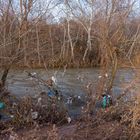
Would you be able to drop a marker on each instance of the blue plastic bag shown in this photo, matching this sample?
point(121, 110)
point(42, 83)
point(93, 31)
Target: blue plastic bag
point(51, 94)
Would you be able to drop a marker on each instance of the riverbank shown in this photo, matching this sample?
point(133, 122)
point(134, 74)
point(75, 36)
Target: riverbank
point(120, 121)
point(113, 123)
point(75, 65)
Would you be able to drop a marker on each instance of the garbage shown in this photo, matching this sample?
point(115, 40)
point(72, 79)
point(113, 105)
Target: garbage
point(2, 105)
point(79, 97)
point(34, 115)
point(32, 74)
point(39, 101)
point(69, 100)
point(54, 80)
point(88, 85)
point(80, 78)
point(12, 116)
point(107, 100)
point(69, 120)
point(42, 108)
point(106, 75)
point(51, 94)
point(99, 76)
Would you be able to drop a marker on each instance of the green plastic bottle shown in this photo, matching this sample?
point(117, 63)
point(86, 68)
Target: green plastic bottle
point(104, 102)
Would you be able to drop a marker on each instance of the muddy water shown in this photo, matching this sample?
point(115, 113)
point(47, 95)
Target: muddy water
point(70, 82)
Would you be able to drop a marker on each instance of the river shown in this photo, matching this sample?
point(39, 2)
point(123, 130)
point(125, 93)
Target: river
point(70, 82)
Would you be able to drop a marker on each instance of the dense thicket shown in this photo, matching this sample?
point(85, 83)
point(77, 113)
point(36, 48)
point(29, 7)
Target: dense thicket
point(87, 32)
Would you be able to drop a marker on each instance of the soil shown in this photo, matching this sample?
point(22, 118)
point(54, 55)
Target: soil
point(104, 131)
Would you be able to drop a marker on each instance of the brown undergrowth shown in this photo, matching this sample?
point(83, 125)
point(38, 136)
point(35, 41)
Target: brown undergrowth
point(120, 121)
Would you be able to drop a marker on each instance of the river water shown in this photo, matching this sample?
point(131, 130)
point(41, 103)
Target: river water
point(70, 82)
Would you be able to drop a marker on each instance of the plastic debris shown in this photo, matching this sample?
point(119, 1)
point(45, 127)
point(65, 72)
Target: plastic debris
point(106, 75)
point(12, 116)
point(2, 105)
point(107, 101)
point(51, 94)
point(33, 73)
point(99, 76)
point(88, 85)
point(54, 79)
point(69, 100)
point(69, 120)
point(79, 97)
point(34, 115)
point(39, 100)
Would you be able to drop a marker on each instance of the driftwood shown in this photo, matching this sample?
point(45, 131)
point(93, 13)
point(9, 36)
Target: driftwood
point(4, 76)
point(3, 79)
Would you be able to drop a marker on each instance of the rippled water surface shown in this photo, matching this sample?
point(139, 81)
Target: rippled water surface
point(70, 82)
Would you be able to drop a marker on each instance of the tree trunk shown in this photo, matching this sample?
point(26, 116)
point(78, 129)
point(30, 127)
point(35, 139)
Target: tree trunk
point(4, 76)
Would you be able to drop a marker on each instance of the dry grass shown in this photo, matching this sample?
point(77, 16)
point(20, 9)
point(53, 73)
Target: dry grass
point(120, 121)
point(22, 110)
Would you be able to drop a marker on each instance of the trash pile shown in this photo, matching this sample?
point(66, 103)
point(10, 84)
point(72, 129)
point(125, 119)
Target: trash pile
point(46, 107)
point(25, 111)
